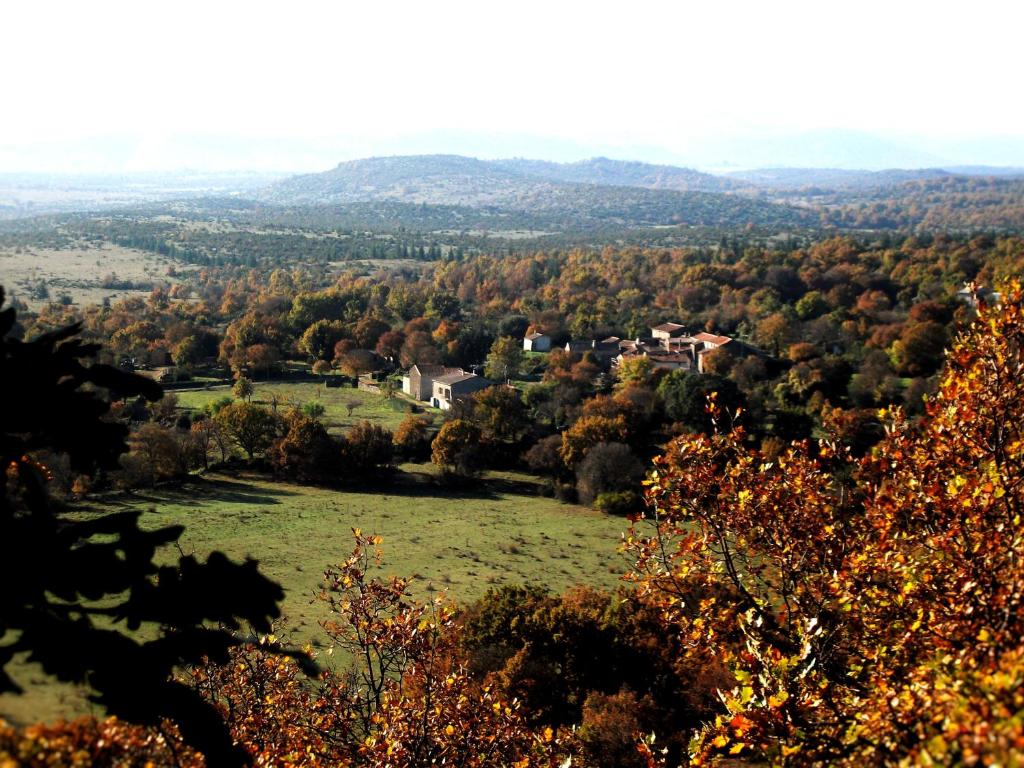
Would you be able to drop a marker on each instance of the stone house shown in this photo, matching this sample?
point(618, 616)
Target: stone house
point(449, 388)
point(419, 382)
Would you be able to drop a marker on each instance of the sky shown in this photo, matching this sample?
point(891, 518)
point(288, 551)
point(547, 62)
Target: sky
point(128, 86)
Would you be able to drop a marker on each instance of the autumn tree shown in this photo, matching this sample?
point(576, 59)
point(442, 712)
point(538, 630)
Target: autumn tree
point(608, 468)
point(318, 340)
point(251, 427)
point(418, 348)
point(685, 397)
point(274, 712)
point(635, 371)
point(389, 345)
point(155, 448)
point(870, 610)
point(505, 359)
point(918, 351)
point(368, 449)
point(500, 413)
point(368, 331)
point(91, 583)
point(416, 701)
point(207, 436)
point(356, 362)
point(188, 352)
point(412, 439)
point(306, 452)
point(589, 431)
point(456, 448)
point(545, 456)
point(554, 653)
point(243, 389)
point(86, 741)
point(262, 357)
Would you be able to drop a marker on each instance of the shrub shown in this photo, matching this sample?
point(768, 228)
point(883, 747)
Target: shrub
point(306, 452)
point(313, 410)
point(617, 502)
point(545, 457)
point(607, 468)
point(587, 432)
point(457, 447)
point(369, 449)
point(250, 427)
point(412, 439)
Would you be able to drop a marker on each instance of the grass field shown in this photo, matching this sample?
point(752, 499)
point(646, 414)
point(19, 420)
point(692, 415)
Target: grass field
point(460, 541)
point(369, 406)
point(79, 271)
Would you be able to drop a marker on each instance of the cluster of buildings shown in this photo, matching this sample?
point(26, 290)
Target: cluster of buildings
point(668, 346)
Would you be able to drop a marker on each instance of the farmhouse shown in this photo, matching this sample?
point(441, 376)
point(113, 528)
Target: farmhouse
point(605, 350)
point(671, 361)
point(419, 382)
point(713, 340)
point(537, 342)
point(449, 388)
point(733, 347)
point(667, 331)
point(670, 348)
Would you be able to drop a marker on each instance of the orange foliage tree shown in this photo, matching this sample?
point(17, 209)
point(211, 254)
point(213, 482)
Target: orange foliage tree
point(871, 611)
point(407, 700)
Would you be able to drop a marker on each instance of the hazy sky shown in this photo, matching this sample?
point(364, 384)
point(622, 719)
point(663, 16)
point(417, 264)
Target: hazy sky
point(122, 85)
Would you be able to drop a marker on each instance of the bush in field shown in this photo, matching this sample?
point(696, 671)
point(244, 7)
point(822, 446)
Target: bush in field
point(618, 502)
point(251, 427)
point(155, 454)
point(607, 468)
point(456, 448)
point(412, 438)
point(313, 410)
point(368, 449)
point(545, 456)
point(243, 389)
point(306, 452)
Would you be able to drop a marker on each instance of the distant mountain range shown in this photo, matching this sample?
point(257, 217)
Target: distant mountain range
point(449, 192)
point(832, 178)
point(459, 180)
point(583, 194)
point(839, 179)
point(600, 193)
point(623, 173)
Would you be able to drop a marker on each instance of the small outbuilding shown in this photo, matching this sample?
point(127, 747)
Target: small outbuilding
point(537, 342)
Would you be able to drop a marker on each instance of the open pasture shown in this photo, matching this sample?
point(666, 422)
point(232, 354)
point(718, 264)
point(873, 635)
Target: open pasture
point(81, 272)
point(459, 541)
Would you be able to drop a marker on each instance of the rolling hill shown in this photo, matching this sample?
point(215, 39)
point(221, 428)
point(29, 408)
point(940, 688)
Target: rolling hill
point(833, 179)
point(561, 196)
point(624, 173)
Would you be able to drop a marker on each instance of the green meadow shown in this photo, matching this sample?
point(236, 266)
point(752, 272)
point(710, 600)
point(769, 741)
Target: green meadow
point(459, 541)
